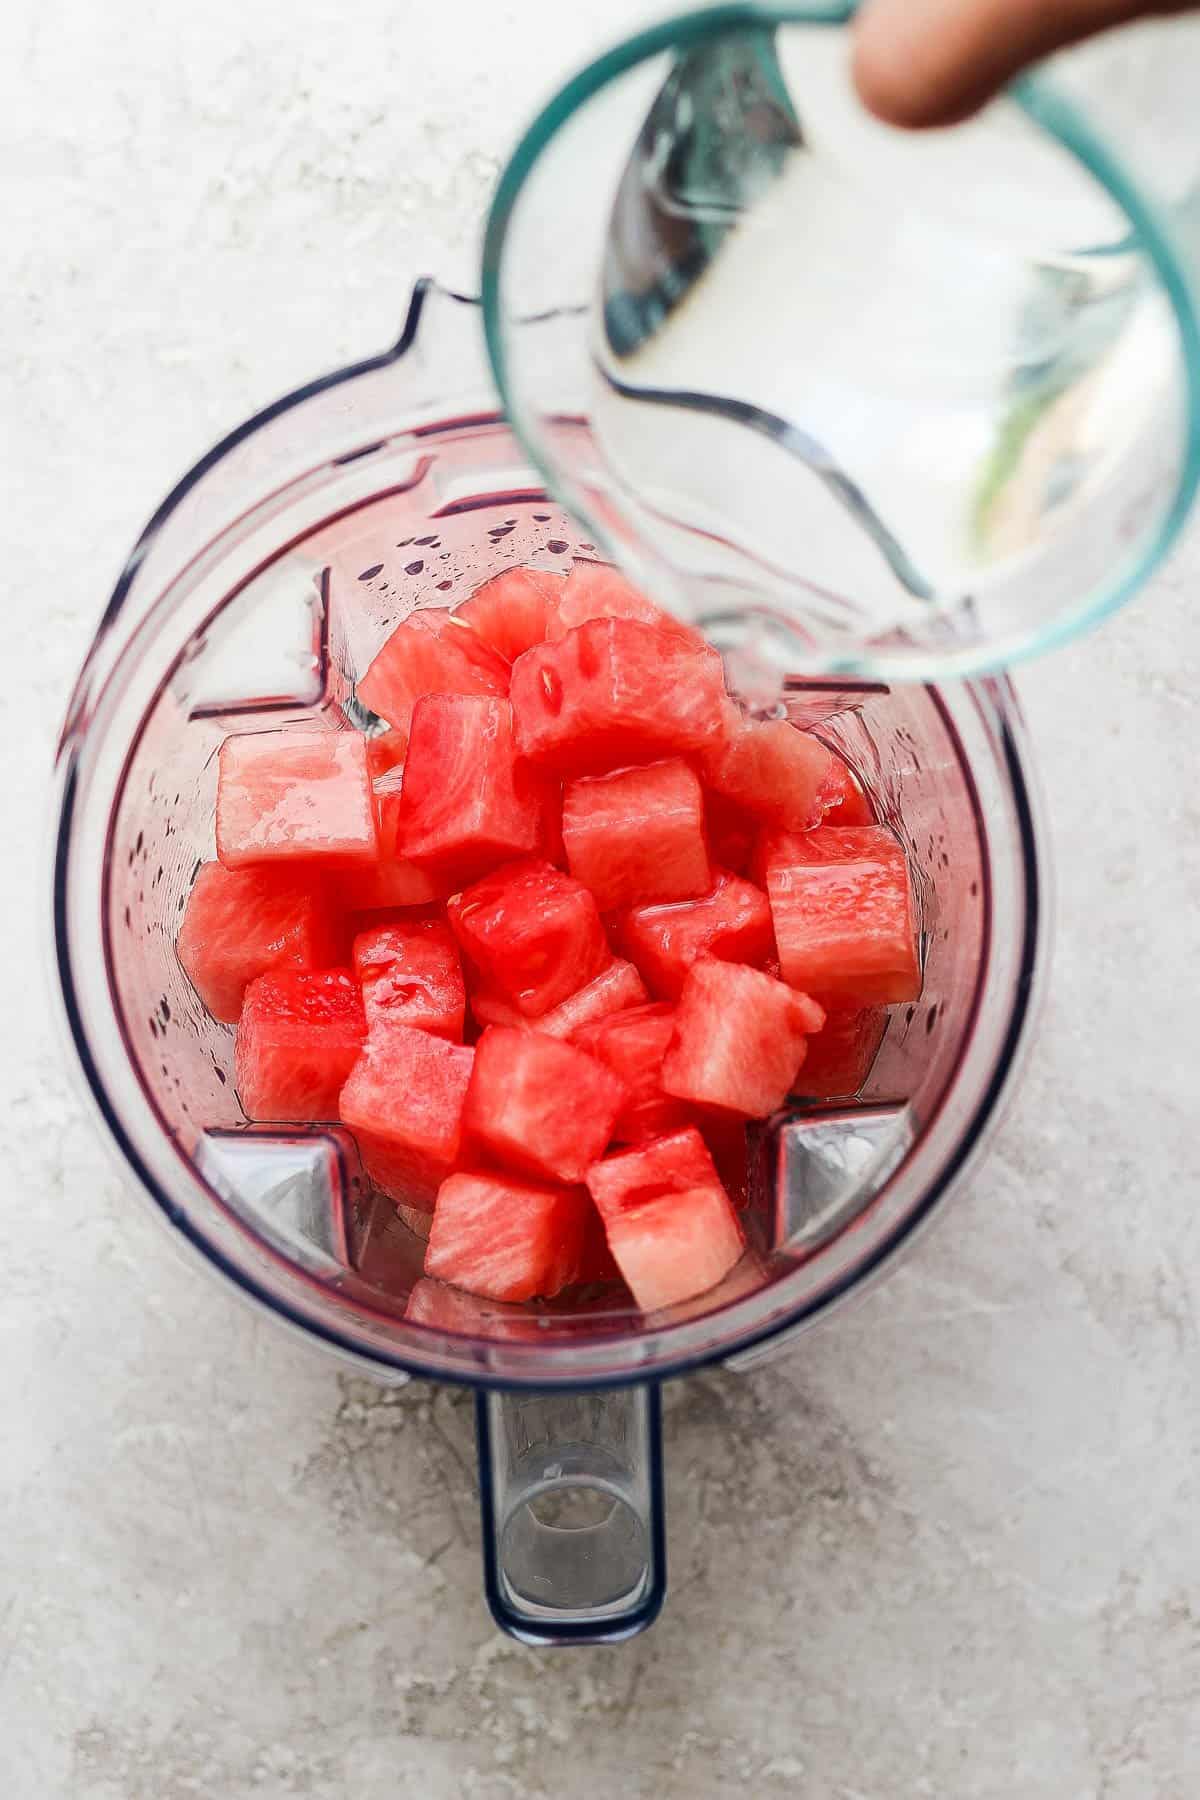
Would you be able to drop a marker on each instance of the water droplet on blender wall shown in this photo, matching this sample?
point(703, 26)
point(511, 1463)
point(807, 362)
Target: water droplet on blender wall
point(219, 1072)
point(587, 547)
point(199, 864)
point(931, 1018)
point(153, 1026)
point(404, 543)
point(413, 568)
point(425, 542)
point(444, 586)
point(542, 518)
point(557, 547)
point(973, 890)
point(371, 573)
point(128, 919)
point(499, 531)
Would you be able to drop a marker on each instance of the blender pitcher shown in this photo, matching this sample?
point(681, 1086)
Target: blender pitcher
point(259, 590)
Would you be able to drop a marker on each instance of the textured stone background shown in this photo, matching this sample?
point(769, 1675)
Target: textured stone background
point(969, 1509)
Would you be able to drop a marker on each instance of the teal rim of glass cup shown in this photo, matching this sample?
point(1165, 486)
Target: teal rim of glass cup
point(1045, 105)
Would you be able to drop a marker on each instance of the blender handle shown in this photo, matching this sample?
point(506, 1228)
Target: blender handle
point(571, 1497)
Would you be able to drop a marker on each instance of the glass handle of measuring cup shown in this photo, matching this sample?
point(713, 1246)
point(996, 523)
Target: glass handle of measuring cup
point(571, 1494)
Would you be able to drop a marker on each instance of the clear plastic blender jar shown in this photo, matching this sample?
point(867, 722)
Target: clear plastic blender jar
point(260, 589)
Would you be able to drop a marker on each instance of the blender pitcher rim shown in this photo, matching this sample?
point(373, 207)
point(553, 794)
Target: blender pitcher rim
point(1048, 108)
point(175, 1213)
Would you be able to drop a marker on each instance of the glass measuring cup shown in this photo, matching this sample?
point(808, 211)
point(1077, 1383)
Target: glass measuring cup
point(913, 404)
point(259, 588)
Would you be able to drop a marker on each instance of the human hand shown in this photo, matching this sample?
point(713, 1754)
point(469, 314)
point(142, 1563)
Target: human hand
point(934, 62)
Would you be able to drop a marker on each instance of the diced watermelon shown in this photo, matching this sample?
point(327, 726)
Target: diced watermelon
point(841, 1054)
point(732, 921)
point(669, 1222)
point(467, 801)
point(633, 1044)
point(540, 1106)
point(731, 832)
point(774, 770)
point(615, 988)
point(514, 610)
point(404, 1101)
point(295, 795)
point(239, 923)
point(727, 1137)
point(386, 751)
point(637, 836)
point(846, 801)
point(432, 652)
point(505, 1238)
point(610, 992)
point(391, 881)
point(740, 1038)
point(596, 590)
point(412, 974)
point(440, 1307)
point(843, 912)
point(614, 692)
point(298, 1038)
point(531, 933)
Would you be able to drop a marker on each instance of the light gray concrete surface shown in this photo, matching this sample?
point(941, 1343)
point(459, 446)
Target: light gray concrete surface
point(969, 1561)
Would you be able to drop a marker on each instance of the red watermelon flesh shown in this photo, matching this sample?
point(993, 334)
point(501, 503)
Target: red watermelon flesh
point(432, 652)
point(846, 801)
point(614, 692)
point(515, 610)
point(633, 1044)
point(440, 1307)
point(638, 835)
point(287, 796)
point(596, 1260)
point(299, 1036)
point(404, 1101)
point(467, 802)
point(531, 934)
point(731, 832)
point(841, 1054)
point(412, 974)
point(386, 751)
point(668, 1220)
point(540, 1106)
point(732, 921)
point(740, 1038)
point(391, 881)
point(843, 912)
point(615, 988)
point(239, 923)
point(595, 590)
point(773, 770)
point(505, 1238)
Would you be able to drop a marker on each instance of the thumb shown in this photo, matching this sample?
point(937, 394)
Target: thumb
point(934, 62)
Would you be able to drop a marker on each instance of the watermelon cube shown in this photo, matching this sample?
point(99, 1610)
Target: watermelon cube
point(614, 692)
point(391, 881)
point(432, 652)
point(539, 1105)
point(637, 836)
point(238, 923)
point(386, 751)
point(668, 1220)
point(515, 610)
point(732, 921)
point(298, 1038)
point(841, 1054)
point(774, 770)
point(412, 974)
point(740, 1038)
point(467, 801)
point(290, 795)
point(531, 934)
point(505, 1238)
point(596, 1260)
point(843, 911)
point(440, 1307)
point(404, 1102)
point(596, 590)
point(613, 989)
point(633, 1044)
point(845, 800)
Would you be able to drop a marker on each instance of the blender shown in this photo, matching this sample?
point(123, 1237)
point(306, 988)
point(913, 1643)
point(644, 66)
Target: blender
point(258, 592)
